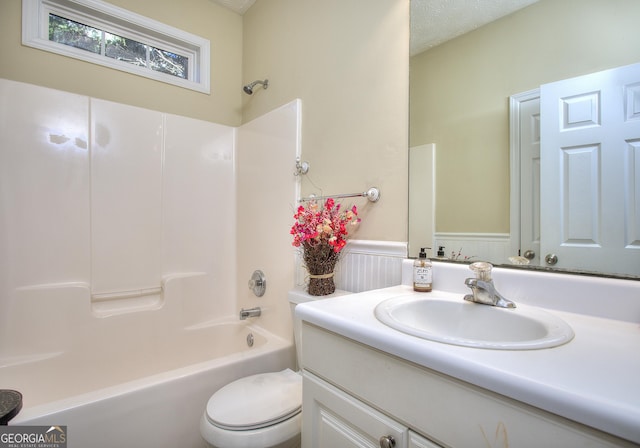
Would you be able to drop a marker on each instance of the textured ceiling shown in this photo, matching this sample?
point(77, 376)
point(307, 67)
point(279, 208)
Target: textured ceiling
point(435, 21)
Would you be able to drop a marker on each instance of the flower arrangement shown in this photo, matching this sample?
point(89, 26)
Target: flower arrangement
point(322, 233)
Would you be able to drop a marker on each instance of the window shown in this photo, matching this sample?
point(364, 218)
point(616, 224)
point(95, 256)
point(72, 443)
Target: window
point(104, 34)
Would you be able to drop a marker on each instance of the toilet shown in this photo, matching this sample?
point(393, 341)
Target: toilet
point(263, 410)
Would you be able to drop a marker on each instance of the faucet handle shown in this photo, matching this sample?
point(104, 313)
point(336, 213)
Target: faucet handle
point(482, 269)
point(258, 283)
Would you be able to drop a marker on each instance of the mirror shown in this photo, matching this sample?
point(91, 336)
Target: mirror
point(460, 107)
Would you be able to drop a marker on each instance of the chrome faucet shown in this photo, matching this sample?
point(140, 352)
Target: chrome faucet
point(483, 289)
point(251, 312)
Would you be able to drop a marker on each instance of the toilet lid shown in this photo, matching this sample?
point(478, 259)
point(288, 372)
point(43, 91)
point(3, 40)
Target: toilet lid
point(256, 401)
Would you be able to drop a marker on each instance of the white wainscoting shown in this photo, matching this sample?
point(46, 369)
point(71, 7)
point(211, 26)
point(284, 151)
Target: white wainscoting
point(366, 265)
point(493, 247)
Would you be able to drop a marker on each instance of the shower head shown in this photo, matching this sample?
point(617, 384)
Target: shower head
point(248, 89)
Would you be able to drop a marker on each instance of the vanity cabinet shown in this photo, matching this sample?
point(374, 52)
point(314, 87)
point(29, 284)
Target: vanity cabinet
point(332, 418)
point(353, 395)
point(417, 441)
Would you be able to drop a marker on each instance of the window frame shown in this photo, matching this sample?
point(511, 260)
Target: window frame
point(115, 20)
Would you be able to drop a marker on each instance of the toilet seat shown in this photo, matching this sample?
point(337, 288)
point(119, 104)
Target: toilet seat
point(256, 401)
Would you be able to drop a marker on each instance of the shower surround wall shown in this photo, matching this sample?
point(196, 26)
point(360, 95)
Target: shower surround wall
point(103, 205)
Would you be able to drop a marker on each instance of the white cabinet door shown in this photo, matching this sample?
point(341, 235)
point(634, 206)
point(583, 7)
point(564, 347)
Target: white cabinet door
point(333, 419)
point(417, 441)
point(590, 171)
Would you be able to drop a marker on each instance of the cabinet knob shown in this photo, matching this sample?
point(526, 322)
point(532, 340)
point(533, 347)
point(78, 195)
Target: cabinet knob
point(387, 442)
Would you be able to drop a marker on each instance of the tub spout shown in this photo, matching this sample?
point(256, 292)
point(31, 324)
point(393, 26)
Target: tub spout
point(251, 312)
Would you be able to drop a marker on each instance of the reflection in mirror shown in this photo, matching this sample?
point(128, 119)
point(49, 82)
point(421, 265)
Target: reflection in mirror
point(460, 102)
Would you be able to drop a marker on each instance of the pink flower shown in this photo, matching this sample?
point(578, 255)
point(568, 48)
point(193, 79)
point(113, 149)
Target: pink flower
point(328, 224)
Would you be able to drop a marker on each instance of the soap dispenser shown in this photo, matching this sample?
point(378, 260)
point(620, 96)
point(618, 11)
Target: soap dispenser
point(422, 276)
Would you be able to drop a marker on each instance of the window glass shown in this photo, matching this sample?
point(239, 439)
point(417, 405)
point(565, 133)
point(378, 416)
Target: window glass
point(126, 50)
point(74, 34)
point(166, 62)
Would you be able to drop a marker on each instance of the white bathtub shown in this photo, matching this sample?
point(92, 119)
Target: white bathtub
point(136, 374)
point(144, 401)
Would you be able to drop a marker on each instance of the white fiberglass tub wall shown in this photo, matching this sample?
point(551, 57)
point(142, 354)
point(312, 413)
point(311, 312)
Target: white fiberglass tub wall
point(118, 266)
point(111, 200)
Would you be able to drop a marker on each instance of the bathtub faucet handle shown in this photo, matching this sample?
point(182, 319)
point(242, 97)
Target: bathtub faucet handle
point(258, 283)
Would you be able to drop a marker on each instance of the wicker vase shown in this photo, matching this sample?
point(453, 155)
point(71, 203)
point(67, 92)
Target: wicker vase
point(321, 284)
point(320, 261)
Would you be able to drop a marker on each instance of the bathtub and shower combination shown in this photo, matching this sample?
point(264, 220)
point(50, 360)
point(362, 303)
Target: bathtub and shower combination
point(100, 199)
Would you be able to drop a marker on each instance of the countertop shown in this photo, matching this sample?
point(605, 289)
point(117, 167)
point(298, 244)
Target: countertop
point(594, 379)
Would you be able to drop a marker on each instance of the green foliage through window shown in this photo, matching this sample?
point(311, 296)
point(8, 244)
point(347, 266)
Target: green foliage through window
point(78, 35)
point(74, 34)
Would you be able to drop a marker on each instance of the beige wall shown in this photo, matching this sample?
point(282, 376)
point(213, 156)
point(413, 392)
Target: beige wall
point(460, 95)
point(201, 17)
point(348, 63)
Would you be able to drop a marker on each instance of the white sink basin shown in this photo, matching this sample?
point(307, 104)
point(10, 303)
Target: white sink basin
point(469, 324)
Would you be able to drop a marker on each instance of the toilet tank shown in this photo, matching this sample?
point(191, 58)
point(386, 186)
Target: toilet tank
point(297, 296)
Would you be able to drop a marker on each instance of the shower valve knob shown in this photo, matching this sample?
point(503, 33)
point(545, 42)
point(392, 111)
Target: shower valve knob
point(258, 283)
